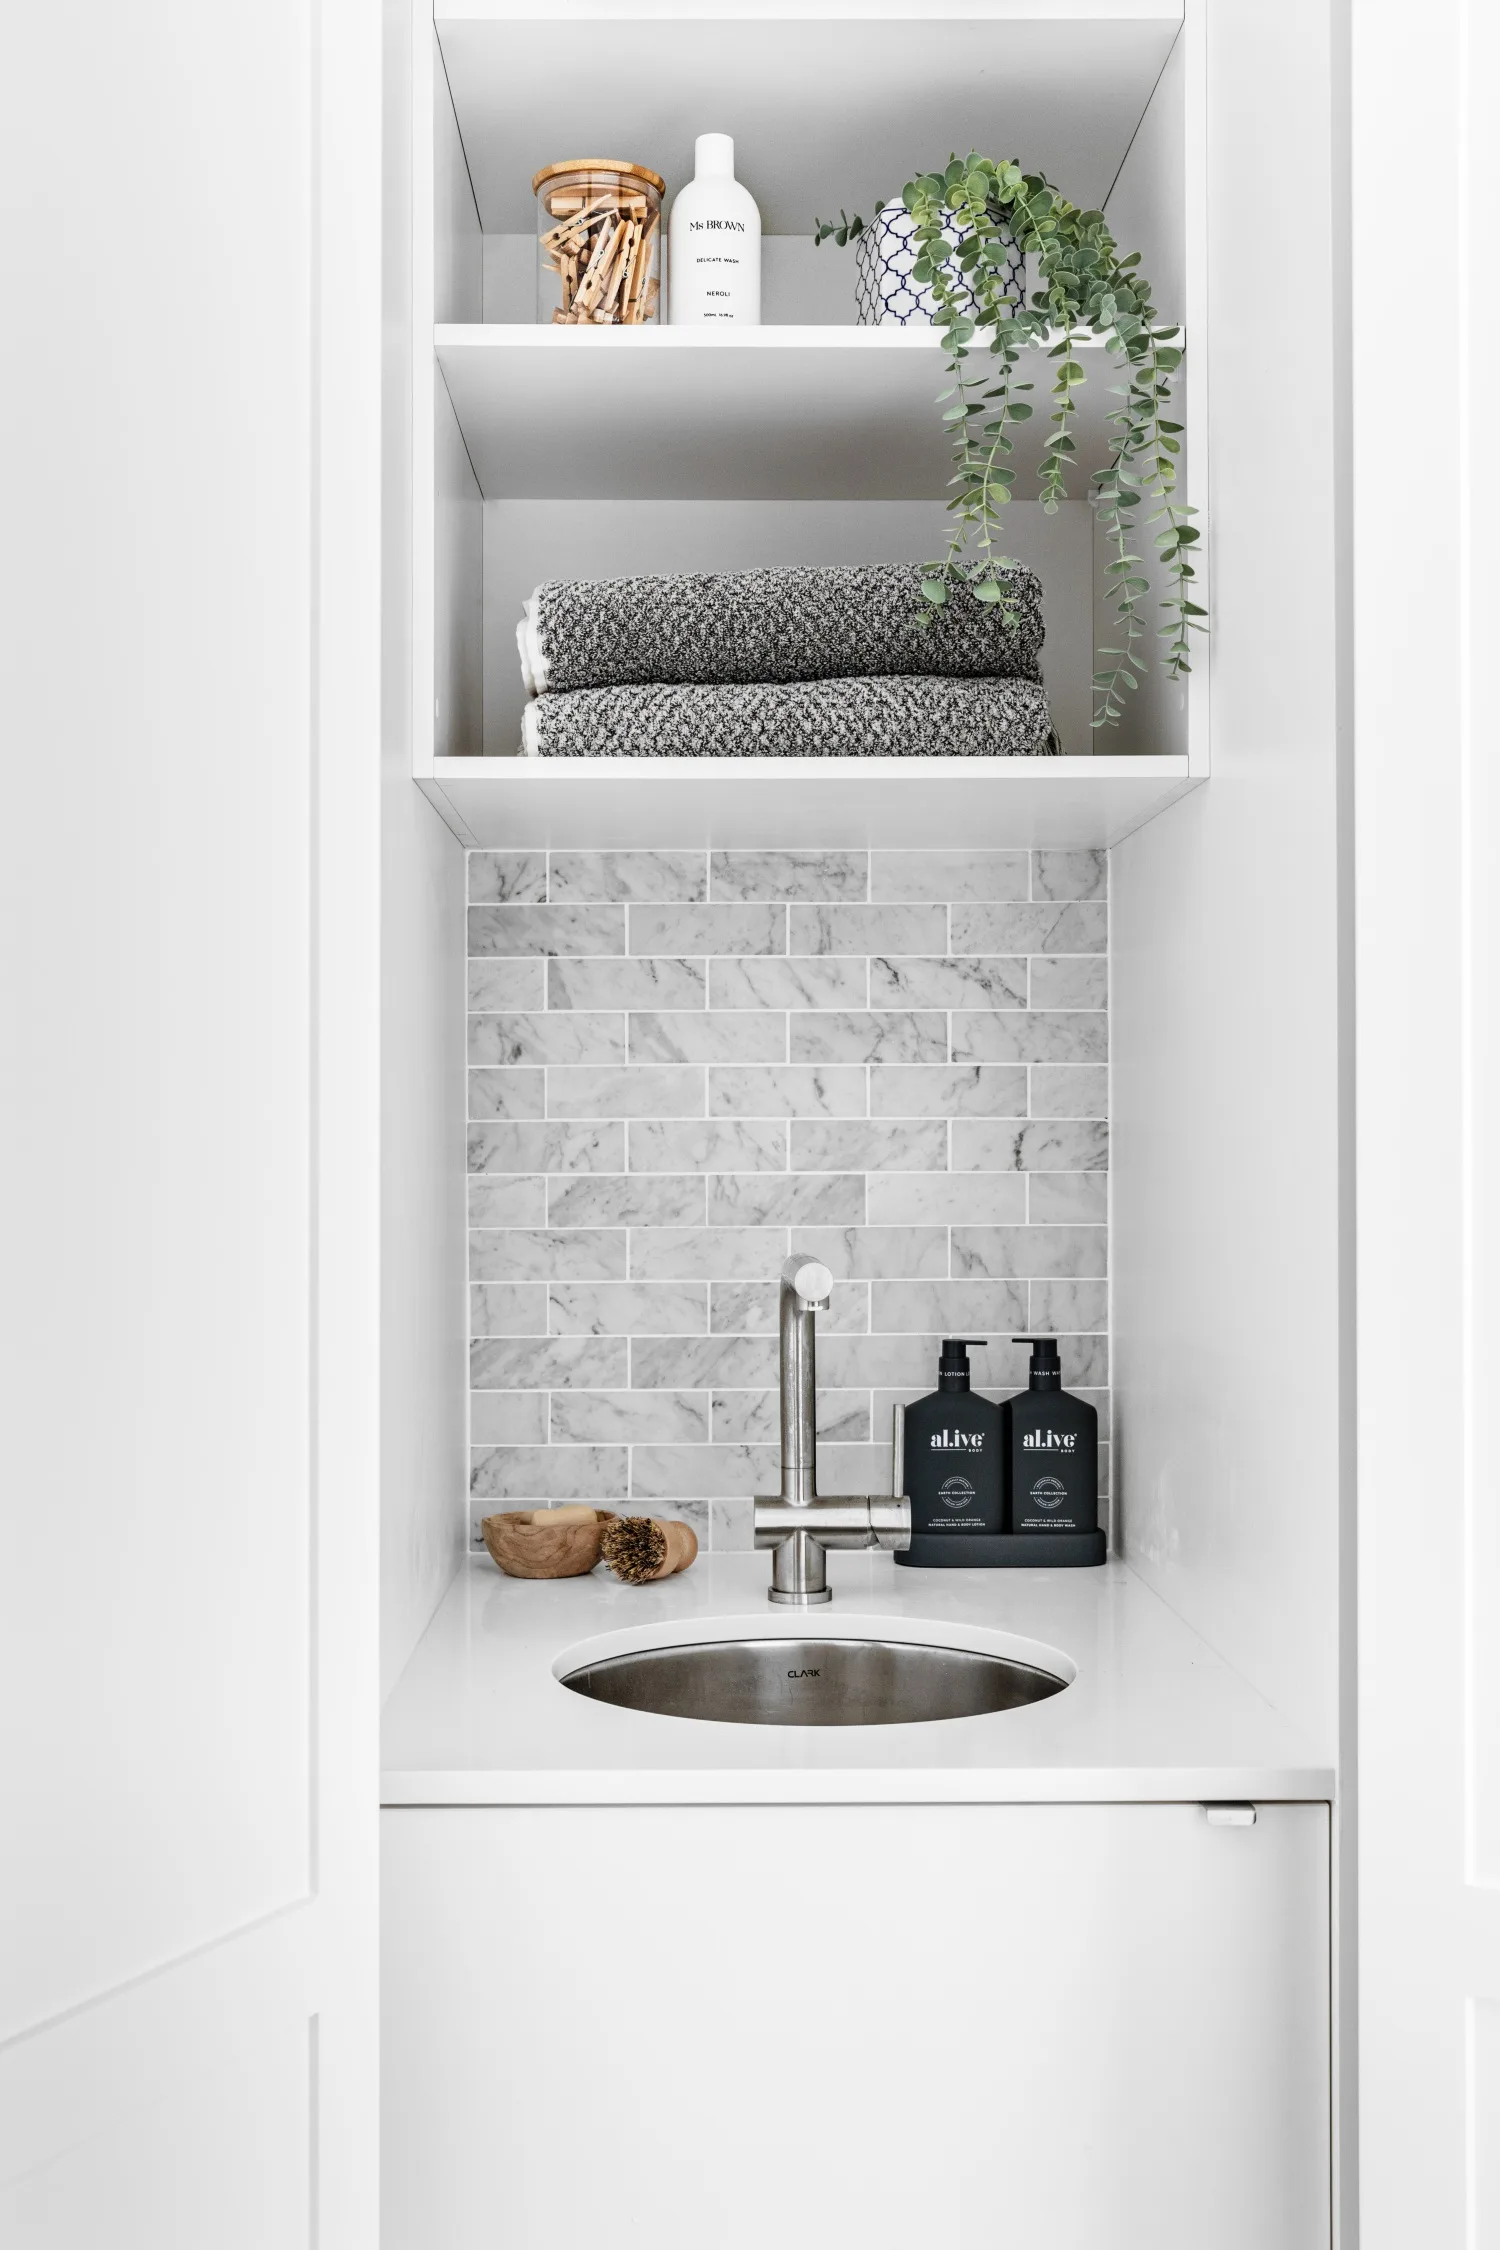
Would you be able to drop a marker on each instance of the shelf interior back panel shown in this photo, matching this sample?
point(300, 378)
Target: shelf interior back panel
point(824, 111)
point(769, 414)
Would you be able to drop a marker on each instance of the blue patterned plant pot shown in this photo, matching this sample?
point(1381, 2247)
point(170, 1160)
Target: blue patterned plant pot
point(884, 292)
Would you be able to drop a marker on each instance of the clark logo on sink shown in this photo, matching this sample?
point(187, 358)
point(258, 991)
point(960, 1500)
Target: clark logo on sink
point(808, 1672)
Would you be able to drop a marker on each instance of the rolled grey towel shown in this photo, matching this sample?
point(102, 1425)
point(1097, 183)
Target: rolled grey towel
point(863, 718)
point(753, 625)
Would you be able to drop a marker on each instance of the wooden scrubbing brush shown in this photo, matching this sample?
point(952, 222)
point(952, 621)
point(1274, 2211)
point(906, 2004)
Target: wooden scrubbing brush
point(640, 1548)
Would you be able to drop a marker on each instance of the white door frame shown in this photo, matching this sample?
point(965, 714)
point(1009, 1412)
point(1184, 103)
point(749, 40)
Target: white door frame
point(1425, 85)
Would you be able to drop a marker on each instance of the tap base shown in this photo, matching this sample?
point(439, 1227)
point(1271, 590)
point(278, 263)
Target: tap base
point(800, 1599)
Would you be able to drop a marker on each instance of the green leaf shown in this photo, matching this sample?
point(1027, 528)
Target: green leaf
point(1020, 411)
point(935, 591)
point(987, 591)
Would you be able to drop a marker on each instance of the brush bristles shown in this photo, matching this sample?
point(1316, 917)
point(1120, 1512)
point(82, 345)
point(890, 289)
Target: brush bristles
point(634, 1548)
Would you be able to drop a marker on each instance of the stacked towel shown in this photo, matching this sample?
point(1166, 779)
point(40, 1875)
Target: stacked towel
point(867, 718)
point(782, 663)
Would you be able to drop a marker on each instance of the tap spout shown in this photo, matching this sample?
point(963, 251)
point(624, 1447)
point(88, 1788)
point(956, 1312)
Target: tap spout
point(806, 1286)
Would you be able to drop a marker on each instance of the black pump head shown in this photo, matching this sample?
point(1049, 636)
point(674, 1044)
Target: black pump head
point(953, 1361)
point(1046, 1367)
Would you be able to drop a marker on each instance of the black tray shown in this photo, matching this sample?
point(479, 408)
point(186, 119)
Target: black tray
point(1004, 1550)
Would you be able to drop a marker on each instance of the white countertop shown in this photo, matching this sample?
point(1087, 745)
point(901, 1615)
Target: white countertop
point(479, 1717)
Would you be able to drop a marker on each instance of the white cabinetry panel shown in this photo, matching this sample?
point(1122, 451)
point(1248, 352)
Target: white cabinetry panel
point(1062, 2026)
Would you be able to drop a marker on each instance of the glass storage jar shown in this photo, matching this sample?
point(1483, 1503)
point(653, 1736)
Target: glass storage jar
point(598, 243)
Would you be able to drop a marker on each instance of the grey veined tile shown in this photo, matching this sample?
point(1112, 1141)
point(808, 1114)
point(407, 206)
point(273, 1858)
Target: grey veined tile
point(547, 1254)
point(869, 929)
point(501, 1310)
point(860, 1037)
point(702, 1035)
point(695, 1363)
point(505, 984)
point(707, 1253)
point(732, 1525)
point(508, 1417)
point(877, 1253)
point(507, 875)
point(561, 1037)
point(631, 1092)
point(629, 1417)
point(1068, 1198)
point(550, 1472)
point(768, 1199)
point(1067, 1091)
point(944, 1199)
point(627, 984)
point(947, 1308)
point(790, 875)
point(1048, 1251)
point(1069, 980)
point(627, 1308)
point(707, 929)
point(554, 1147)
point(1016, 1035)
point(805, 1091)
point(906, 1145)
point(546, 929)
point(519, 1201)
point(714, 1144)
point(1069, 1145)
point(950, 1092)
point(512, 1094)
point(630, 875)
point(788, 981)
point(1069, 874)
point(626, 1199)
point(1062, 1306)
point(1030, 929)
point(549, 1363)
point(949, 875)
point(979, 982)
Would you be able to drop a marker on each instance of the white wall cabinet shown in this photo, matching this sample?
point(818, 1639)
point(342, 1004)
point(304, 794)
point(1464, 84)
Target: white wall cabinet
point(1071, 2027)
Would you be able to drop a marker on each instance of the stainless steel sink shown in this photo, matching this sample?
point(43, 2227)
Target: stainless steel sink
point(813, 1683)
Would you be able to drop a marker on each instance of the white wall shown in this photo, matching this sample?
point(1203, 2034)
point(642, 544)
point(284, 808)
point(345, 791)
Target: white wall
point(422, 1405)
point(1229, 1080)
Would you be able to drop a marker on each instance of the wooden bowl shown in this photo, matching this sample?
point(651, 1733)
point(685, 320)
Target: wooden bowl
point(527, 1544)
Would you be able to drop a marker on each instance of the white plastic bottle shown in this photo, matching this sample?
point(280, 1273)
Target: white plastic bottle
point(714, 272)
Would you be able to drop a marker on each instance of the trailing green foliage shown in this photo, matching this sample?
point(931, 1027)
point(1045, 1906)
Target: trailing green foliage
point(1085, 287)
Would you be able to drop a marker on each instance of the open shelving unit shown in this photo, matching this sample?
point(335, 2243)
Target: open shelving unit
point(592, 453)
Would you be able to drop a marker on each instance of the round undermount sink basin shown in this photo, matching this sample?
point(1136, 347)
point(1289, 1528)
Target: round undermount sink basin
point(813, 1683)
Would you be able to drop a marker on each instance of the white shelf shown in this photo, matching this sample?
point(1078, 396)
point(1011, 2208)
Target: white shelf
point(766, 802)
point(760, 414)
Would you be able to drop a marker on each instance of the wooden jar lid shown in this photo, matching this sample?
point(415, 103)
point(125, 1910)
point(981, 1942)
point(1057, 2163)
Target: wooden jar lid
point(601, 164)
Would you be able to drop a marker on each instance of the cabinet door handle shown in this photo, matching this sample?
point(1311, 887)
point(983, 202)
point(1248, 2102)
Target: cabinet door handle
point(1230, 1816)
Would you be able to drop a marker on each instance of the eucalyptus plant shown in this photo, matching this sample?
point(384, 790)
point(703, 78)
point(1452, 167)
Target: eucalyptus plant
point(966, 221)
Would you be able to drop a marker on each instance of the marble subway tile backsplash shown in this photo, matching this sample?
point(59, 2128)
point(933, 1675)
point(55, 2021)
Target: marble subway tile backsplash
point(683, 1064)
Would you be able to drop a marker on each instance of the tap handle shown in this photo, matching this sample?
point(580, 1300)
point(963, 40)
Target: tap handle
point(810, 1278)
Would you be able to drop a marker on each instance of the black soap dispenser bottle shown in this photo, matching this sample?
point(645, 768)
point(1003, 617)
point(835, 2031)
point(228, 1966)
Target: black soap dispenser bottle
point(952, 1464)
point(1051, 1445)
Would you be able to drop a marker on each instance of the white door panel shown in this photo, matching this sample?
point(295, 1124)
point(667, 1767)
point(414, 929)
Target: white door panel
point(189, 206)
point(1428, 958)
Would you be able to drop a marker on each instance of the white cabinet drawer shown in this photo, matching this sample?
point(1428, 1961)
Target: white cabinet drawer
point(1064, 2027)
